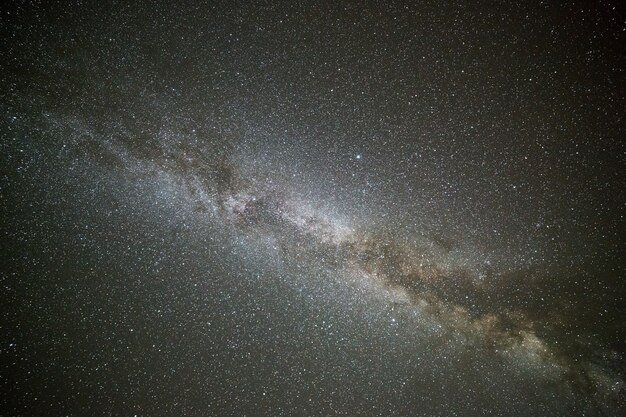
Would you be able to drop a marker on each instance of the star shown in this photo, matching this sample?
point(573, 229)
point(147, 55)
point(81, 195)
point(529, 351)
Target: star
point(238, 185)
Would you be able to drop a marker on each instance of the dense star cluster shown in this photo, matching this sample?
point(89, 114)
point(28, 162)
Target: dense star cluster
point(313, 208)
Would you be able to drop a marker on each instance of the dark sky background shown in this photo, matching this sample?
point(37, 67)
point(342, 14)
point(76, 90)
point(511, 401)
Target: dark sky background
point(312, 208)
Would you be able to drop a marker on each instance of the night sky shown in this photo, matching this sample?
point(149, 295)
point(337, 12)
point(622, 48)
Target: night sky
point(306, 208)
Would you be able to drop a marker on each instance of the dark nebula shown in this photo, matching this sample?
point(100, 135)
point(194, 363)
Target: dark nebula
point(313, 208)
